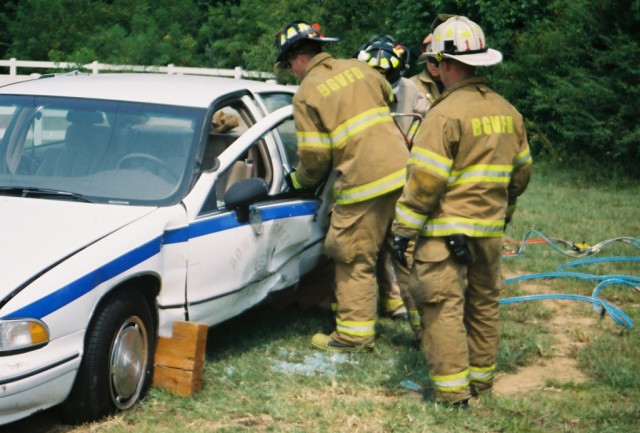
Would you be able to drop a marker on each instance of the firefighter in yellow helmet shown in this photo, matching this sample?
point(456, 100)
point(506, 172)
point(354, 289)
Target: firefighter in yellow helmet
point(408, 107)
point(469, 163)
point(390, 58)
point(343, 123)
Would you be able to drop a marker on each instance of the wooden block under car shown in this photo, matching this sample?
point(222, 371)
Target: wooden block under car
point(179, 360)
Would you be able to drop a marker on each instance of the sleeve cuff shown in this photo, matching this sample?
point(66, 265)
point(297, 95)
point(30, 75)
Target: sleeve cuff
point(295, 182)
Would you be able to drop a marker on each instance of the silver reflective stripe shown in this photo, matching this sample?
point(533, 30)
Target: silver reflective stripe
point(482, 175)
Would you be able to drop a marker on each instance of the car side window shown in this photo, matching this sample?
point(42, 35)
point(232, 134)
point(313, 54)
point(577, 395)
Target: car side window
point(227, 124)
point(255, 162)
point(274, 101)
point(287, 132)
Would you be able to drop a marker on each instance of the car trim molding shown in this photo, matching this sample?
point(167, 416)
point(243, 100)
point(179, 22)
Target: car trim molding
point(38, 370)
point(83, 285)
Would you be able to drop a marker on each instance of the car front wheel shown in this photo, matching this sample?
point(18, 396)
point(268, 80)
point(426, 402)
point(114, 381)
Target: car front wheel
point(117, 364)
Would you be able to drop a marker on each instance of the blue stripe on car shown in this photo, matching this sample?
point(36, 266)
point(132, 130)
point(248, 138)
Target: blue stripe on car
point(83, 285)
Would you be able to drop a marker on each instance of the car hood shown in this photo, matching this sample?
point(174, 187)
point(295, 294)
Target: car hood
point(36, 233)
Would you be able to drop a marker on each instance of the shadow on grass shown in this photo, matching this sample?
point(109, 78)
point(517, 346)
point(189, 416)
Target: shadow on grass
point(262, 324)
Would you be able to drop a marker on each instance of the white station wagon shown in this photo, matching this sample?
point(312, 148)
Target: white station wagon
point(127, 204)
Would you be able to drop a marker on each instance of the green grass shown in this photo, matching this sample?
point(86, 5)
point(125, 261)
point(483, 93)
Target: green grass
point(262, 375)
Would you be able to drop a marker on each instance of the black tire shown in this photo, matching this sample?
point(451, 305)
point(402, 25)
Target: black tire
point(117, 364)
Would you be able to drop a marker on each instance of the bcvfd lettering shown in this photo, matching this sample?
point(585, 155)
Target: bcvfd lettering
point(488, 125)
point(343, 79)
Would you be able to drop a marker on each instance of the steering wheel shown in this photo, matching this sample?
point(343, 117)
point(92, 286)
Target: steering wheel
point(169, 175)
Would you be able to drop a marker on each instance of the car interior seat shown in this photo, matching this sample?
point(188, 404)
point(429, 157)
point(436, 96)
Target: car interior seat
point(86, 141)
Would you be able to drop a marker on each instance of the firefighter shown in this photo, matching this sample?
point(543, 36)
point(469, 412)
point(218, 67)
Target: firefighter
point(392, 60)
point(343, 123)
point(409, 105)
point(429, 79)
point(469, 163)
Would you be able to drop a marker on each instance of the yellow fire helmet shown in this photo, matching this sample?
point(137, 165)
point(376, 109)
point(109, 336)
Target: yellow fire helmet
point(386, 55)
point(294, 33)
point(461, 39)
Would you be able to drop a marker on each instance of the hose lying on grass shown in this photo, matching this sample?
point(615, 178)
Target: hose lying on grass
point(576, 250)
point(601, 306)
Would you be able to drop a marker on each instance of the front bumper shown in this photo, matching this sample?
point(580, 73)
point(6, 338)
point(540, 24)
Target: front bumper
point(37, 380)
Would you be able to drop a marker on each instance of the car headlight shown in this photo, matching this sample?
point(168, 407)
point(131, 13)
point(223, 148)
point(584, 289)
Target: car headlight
point(19, 335)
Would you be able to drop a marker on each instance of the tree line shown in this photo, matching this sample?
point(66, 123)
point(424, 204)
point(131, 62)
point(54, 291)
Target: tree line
point(570, 66)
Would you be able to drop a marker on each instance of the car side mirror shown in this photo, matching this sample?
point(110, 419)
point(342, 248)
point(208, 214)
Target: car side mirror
point(244, 193)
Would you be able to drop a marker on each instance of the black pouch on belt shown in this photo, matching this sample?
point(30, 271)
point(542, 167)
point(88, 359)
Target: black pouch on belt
point(459, 247)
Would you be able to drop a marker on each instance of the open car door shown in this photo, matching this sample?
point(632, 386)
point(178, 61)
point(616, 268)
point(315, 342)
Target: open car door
point(248, 235)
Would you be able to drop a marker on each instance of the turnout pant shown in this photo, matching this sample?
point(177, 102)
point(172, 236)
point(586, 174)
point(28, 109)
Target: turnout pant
point(356, 235)
point(460, 311)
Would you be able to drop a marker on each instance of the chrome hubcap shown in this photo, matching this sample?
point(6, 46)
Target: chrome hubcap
point(128, 362)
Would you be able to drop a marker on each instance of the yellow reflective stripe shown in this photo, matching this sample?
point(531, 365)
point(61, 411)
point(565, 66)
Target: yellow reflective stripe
point(393, 304)
point(295, 181)
point(409, 218)
point(414, 318)
point(359, 123)
point(524, 157)
point(373, 189)
point(467, 226)
point(431, 161)
point(452, 382)
point(392, 96)
point(413, 129)
point(357, 329)
point(320, 140)
point(481, 173)
point(482, 374)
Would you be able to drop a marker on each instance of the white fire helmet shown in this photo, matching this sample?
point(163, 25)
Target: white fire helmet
point(461, 39)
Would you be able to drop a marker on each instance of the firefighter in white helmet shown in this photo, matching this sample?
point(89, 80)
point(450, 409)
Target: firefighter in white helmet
point(469, 163)
point(343, 123)
point(408, 107)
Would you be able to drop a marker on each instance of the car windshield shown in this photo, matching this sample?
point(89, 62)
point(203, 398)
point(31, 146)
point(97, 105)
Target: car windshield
point(95, 150)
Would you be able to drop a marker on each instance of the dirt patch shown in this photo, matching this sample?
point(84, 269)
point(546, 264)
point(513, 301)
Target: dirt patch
point(537, 376)
point(570, 331)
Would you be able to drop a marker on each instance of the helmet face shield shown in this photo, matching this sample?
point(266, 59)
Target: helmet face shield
point(461, 39)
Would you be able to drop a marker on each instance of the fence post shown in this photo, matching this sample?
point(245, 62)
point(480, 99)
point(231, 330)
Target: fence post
point(94, 67)
point(13, 68)
point(238, 72)
point(170, 67)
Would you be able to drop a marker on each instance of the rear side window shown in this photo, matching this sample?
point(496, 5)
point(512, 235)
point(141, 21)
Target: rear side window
point(274, 101)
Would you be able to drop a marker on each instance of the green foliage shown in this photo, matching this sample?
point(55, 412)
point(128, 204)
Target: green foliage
point(119, 31)
point(570, 66)
point(573, 79)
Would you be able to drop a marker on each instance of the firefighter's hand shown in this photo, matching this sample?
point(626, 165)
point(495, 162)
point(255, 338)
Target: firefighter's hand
point(294, 186)
point(399, 249)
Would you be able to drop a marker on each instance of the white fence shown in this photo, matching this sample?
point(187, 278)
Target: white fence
point(96, 67)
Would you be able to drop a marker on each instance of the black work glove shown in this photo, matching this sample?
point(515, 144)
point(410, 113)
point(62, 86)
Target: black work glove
point(399, 249)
